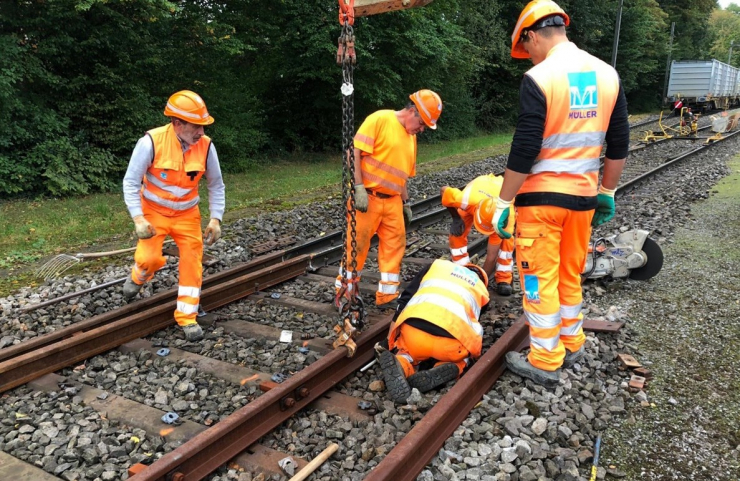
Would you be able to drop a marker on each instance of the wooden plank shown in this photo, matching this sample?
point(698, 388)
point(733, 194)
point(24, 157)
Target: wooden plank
point(257, 331)
point(18, 470)
point(321, 308)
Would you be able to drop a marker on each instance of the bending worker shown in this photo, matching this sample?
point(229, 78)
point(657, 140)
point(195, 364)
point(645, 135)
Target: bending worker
point(570, 102)
point(465, 208)
point(385, 157)
point(436, 323)
point(169, 161)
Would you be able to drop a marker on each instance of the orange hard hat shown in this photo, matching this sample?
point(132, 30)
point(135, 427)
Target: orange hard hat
point(429, 106)
point(188, 106)
point(479, 270)
point(537, 14)
point(483, 218)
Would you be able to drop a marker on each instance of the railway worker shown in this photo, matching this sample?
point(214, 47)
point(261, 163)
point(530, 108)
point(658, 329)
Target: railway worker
point(385, 157)
point(464, 207)
point(436, 324)
point(570, 102)
point(161, 193)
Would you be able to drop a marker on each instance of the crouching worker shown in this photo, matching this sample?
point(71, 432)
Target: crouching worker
point(436, 324)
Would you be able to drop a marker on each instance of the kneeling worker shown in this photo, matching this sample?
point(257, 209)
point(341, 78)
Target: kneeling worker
point(465, 208)
point(437, 322)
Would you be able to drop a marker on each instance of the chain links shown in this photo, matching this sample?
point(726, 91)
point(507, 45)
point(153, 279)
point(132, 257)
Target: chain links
point(348, 299)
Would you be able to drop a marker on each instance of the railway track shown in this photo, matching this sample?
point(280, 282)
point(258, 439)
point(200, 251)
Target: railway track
point(204, 449)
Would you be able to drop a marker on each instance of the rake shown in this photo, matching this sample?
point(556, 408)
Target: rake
point(62, 262)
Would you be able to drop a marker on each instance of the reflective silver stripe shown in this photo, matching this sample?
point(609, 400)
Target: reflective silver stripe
point(185, 113)
point(338, 285)
point(186, 308)
point(188, 291)
point(570, 312)
point(462, 261)
point(543, 321)
point(348, 274)
point(460, 251)
point(172, 189)
point(503, 268)
point(522, 18)
point(467, 297)
point(407, 357)
point(571, 330)
point(465, 197)
point(505, 255)
point(453, 308)
point(170, 204)
point(580, 166)
point(389, 277)
point(574, 140)
point(542, 343)
point(424, 108)
point(387, 288)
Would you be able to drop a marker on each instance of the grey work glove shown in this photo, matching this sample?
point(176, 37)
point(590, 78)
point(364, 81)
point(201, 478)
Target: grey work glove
point(144, 230)
point(213, 231)
point(407, 214)
point(360, 198)
point(457, 227)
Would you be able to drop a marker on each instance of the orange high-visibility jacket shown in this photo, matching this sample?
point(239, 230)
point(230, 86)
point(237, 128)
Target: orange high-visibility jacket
point(171, 182)
point(477, 190)
point(451, 297)
point(581, 92)
point(388, 153)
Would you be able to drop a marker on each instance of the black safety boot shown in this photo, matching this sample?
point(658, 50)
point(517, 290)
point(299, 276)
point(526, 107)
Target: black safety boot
point(504, 289)
point(395, 379)
point(130, 289)
point(573, 357)
point(429, 379)
point(193, 332)
point(519, 364)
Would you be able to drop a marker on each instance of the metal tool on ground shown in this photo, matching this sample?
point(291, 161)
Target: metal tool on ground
point(629, 254)
point(595, 466)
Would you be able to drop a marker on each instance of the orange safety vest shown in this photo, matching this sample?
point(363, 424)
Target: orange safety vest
point(388, 153)
point(451, 297)
point(581, 92)
point(171, 182)
point(477, 190)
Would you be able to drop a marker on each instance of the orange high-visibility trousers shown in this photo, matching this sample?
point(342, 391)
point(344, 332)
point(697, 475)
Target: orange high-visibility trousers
point(416, 346)
point(505, 261)
point(384, 217)
point(186, 232)
point(551, 248)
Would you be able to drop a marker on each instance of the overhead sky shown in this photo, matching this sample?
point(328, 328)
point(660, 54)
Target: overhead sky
point(725, 3)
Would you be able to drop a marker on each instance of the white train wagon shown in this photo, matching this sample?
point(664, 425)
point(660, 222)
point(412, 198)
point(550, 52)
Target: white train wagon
point(703, 84)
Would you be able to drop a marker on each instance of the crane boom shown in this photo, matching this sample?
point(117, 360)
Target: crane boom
point(363, 8)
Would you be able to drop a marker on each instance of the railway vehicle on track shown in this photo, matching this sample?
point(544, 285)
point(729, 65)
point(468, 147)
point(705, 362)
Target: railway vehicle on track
point(703, 85)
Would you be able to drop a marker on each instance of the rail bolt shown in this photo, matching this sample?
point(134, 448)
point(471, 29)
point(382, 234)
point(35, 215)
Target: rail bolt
point(287, 403)
point(302, 392)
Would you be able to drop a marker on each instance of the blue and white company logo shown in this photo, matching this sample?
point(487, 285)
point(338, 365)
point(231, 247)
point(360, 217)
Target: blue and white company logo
point(583, 92)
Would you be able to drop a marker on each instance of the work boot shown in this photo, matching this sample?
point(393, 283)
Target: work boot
point(519, 364)
point(573, 357)
point(503, 289)
point(130, 289)
point(395, 379)
point(193, 332)
point(428, 379)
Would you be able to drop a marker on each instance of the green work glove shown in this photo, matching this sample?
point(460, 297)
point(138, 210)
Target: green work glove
point(501, 217)
point(360, 198)
point(407, 214)
point(605, 209)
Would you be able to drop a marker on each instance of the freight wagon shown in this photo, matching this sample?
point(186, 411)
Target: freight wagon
point(703, 85)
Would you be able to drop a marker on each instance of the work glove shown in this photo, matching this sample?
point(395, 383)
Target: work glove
point(501, 218)
point(407, 214)
point(457, 227)
point(605, 206)
point(360, 198)
point(213, 231)
point(144, 230)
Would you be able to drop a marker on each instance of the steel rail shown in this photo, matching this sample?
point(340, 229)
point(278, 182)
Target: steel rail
point(214, 447)
point(110, 330)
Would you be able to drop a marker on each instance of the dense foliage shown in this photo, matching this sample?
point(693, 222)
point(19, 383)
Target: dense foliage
point(81, 80)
